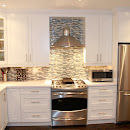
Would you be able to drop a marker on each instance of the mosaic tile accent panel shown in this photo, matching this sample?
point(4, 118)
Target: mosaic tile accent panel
point(63, 63)
point(1, 76)
point(21, 74)
point(76, 25)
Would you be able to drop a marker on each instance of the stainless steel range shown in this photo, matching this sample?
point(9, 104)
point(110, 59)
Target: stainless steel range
point(69, 102)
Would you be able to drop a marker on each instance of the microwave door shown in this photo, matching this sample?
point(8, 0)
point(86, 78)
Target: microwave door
point(102, 76)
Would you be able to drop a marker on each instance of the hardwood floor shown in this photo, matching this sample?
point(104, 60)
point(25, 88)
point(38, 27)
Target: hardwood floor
point(88, 127)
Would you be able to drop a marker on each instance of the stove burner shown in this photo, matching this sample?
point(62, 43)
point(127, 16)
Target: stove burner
point(68, 84)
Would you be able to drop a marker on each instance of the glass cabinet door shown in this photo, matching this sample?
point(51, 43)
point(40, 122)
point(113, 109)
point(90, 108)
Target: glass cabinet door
point(2, 49)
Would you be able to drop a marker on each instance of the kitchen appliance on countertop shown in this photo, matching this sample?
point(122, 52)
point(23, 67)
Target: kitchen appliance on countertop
point(123, 105)
point(69, 102)
point(100, 75)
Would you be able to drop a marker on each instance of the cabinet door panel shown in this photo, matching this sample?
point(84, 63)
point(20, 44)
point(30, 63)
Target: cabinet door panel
point(124, 27)
point(39, 44)
point(105, 52)
point(17, 40)
point(3, 110)
point(92, 39)
point(14, 107)
point(3, 41)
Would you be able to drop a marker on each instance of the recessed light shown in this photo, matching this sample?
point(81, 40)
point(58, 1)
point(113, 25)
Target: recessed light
point(79, 0)
point(3, 5)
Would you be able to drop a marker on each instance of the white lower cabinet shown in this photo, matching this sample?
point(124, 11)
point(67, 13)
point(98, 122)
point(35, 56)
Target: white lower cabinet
point(3, 110)
point(29, 105)
point(36, 107)
point(14, 106)
point(101, 103)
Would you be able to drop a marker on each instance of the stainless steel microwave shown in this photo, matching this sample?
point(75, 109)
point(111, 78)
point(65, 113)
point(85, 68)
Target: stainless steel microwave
point(100, 75)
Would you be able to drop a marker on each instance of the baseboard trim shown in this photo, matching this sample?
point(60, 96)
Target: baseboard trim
point(100, 121)
point(30, 124)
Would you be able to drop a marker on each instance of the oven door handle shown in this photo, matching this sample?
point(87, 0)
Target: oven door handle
point(56, 94)
point(68, 119)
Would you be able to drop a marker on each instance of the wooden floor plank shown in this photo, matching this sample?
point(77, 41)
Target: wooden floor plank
point(88, 127)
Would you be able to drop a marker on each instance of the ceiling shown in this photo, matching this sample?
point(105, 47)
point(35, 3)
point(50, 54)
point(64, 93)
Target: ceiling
point(65, 4)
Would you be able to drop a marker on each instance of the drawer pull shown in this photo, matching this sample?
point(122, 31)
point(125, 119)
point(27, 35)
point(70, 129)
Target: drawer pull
point(103, 89)
point(35, 91)
point(102, 113)
point(102, 100)
point(35, 102)
point(127, 94)
point(35, 115)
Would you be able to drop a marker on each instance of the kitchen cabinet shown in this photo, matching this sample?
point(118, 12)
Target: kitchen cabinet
point(102, 103)
point(39, 47)
point(3, 110)
point(3, 41)
point(14, 106)
point(124, 26)
point(17, 31)
point(98, 39)
point(36, 105)
point(28, 40)
point(29, 105)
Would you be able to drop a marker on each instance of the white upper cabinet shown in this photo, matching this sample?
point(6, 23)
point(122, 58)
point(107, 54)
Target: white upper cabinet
point(3, 41)
point(105, 40)
point(98, 39)
point(124, 26)
point(28, 40)
point(17, 26)
point(92, 39)
point(39, 47)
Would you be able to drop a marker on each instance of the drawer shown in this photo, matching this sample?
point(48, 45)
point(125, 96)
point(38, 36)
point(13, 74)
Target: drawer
point(95, 114)
point(36, 117)
point(98, 101)
point(36, 103)
point(102, 91)
point(35, 91)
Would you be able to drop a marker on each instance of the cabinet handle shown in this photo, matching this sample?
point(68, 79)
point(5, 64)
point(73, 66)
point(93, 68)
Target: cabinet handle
point(26, 58)
point(103, 89)
point(97, 57)
point(35, 91)
point(102, 113)
point(100, 57)
point(102, 100)
point(35, 102)
point(30, 58)
point(4, 99)
point(35, 115)
point(126, 94)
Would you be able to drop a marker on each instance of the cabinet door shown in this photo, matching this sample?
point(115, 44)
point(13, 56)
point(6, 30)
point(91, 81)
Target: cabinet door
point(17, 40)
point(92, 39)
point(105, 46)
point(14, 109)
point(3, 42)
point(124, 27)
point(3, 110)
point(39, 40)
point(1, 120)
point(102, 102)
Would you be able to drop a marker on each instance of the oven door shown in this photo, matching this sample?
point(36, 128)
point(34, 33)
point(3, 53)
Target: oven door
point(69, 108)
